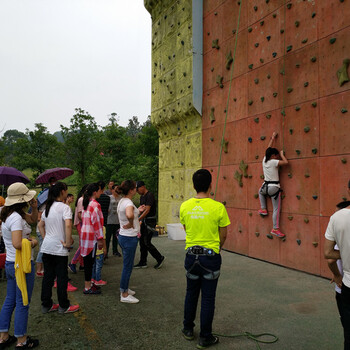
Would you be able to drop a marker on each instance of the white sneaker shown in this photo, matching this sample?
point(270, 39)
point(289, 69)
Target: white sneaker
point(129, 299)
point(131, 292)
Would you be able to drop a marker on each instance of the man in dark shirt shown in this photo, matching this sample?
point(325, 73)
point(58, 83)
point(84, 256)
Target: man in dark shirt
point(104, 201)
point(147, 220)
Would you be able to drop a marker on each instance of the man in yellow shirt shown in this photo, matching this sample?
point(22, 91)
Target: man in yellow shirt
point(205, 222)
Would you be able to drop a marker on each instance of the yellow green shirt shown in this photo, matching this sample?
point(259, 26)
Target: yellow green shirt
point(202, 218)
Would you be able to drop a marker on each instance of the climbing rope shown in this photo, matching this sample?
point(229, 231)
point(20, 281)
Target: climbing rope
point(228, 97)
point(254, 337)
point(284, 73)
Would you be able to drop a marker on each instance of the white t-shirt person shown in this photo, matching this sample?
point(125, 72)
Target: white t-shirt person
point(55, 229)
point(14, 222)
point(270, 169)
point(123, 220)
point(338, 230)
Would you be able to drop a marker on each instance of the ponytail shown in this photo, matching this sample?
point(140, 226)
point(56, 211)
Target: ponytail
point(270, 152)
point(54, 193)
point(90, 189)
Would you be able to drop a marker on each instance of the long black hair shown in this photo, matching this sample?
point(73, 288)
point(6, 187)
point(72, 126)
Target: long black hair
point(18, 208)
point(270, 152)
point(54, 193)
point(90, 189)
point(81, 193)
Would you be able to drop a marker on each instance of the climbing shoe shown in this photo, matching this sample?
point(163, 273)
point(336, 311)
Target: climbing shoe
point(277, 233)
point(263, 212)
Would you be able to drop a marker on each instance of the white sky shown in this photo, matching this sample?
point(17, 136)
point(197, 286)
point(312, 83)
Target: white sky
point(58, 55)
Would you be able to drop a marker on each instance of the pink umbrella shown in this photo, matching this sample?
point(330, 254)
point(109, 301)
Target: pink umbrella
point(57, 173)
point(9, 175)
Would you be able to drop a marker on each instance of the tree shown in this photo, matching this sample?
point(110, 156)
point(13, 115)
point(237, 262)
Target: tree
point(81, 143)
point(9, 141)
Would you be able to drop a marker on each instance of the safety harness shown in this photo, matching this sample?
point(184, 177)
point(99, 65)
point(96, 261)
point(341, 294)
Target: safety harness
point(266, 184)
point(201, 251)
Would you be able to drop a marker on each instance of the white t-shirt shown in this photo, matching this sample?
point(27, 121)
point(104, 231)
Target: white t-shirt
point(55, 229)
point(122, 205)
point(338, 230)
point(270, 169)
point(14, 222)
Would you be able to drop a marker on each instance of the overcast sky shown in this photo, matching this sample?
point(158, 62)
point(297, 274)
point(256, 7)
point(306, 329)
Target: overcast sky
point(57, 55)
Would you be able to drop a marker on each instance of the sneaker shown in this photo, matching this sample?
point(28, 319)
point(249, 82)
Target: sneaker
point(100, 283)
point(206, 342)
point(55, 284)
point(68, 310)
point(188, 334)
point(262, 212)
point(45, 309)
point(72, 268)
point(117, 254)
point(71, 288)
point(40, 274)
point(30, 343)
point(91, 290)
point(130, 292)
point(129, 299)
point(160, 263)
point(95, 287)
point(9, 341)
point(140, 266)
point(277, 233)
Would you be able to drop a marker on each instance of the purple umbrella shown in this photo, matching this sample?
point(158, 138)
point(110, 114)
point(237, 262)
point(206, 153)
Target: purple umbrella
point(9, 175)
point(57, 173)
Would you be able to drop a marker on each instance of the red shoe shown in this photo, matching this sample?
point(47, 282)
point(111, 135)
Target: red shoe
point(55, 284)
point(100, 283)
point(277, 233)
point(40, 274)
point(71, 288)
point(69, 310)
point(262, 212)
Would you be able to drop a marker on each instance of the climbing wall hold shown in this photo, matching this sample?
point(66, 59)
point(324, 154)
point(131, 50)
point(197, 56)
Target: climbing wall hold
point(290, 175)
point(306, 220)
point(212, 69)
point(225, 146)
point(274, 54)
point(313, 59)
point(315, 244)
point(283, 112)
point(269, 236)
point(233, 31)
point(314, 104)
point(343, 160)
point(314, 197)
point(262, 98)
point(238, 176)
point(256, 44)
point(282, 31)
point(297, 65)
point(342, 73)
point(251, 66)
point(250, 140)
point(212, 116)
point(262, 138)
point(262, 23)
point(297, 108)
point(256, 120)
point(250, 102)
point(297, 151)
point(307, 175)
point(306, 129)
point(268, 116)
point(289, 90)
point(274, 15)
point(256, 196)
point(313, 15)
point(219, 80)
point(332, 40)
point(255, 8)
point(261, 60)
point(224, 202)
point(256, 81)
point(215, 44)
point(289, 48)
point(250, 29)
point(268, 37)
point(212, 139)
point(290, 217)
point(314, 150)
point(297, 23)
point(298, 197)
point(304, 41)
point(262, 176)
point(343, 110)
point(289, 6)
point(306, 84)
point(243, 167)
point(212, 193)
point(299, 241)
point(250, 213)
point(274, 94)
point(229, 60)
point(257, 234)
point(257, 156)
point(268, 76)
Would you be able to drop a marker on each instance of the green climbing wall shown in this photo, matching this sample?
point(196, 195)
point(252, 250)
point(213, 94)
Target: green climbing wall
point(174, 110)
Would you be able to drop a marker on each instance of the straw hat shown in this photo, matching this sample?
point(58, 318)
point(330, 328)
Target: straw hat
point(18, 193)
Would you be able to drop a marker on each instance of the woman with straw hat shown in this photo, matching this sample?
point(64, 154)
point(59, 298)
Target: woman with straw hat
point(15, 228)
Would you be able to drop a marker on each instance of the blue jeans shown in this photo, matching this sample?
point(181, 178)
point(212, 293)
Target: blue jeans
point(128, 245)
point(96, 270)
point(208, 289)
point(39, 257)
point(14, 300)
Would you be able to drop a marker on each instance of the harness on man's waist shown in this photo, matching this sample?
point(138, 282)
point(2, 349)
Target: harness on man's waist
point(201, 251)
point(266, 184)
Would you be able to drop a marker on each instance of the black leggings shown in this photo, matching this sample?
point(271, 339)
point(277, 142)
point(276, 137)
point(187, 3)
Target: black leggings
point(88, 264)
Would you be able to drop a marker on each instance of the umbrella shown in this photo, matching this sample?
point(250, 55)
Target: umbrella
point(42, 197)
point(9, 175)
point(58, 173)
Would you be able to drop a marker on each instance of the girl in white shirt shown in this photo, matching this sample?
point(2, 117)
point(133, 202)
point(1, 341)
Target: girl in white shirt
point(56, 228)
point(271, 186)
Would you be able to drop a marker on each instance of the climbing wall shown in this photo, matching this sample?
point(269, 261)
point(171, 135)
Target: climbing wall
point(173, 112)
point(289, 75)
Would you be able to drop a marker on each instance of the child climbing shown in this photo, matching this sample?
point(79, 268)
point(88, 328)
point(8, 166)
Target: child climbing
point(271, 186)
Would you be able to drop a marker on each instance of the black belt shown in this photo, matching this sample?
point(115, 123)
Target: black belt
point(199, 250)
point(272, 182)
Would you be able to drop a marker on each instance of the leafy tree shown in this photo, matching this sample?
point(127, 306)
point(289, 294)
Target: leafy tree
point(9, 141)
point(81, 142)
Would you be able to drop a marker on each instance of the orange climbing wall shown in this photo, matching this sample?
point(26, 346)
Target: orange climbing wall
point(284, 79)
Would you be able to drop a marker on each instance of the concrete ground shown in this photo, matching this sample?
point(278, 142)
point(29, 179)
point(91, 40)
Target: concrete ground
point(252, 296)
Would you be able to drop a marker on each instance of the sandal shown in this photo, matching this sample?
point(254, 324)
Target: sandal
point(10, 340)
point(29, 344)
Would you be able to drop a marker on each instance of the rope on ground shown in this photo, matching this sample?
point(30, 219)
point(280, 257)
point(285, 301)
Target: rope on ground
point(255, 337)
point(228, 98)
